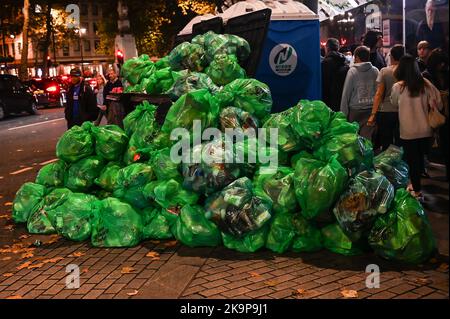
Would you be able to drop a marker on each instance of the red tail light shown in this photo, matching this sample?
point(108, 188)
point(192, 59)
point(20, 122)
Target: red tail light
point(52, 89)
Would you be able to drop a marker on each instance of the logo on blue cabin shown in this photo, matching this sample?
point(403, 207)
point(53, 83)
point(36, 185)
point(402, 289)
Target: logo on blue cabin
point(283, 59)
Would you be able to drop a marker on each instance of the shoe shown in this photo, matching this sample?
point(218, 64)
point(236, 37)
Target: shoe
point(419, 196)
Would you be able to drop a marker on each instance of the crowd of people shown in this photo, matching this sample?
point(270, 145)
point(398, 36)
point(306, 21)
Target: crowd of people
point(391, 97)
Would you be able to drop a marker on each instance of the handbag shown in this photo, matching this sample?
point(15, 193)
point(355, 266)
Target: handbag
point(435, 118)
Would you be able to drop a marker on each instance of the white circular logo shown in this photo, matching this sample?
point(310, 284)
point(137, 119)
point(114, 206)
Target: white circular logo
point(283, 59)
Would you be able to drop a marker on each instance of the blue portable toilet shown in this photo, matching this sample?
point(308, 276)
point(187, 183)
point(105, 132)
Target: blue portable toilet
point(290, 58)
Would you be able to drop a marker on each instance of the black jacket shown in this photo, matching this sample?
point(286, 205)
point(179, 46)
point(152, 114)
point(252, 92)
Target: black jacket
point(377, 60)
point(334, 71)
point(109, 86)
point(88, 103)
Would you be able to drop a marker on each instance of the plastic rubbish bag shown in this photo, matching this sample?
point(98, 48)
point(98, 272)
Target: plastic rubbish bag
point(278, 187)
point(249, 95)
point(390, 164)
point(236, 210)
point(161, 81)
point(212, 173)
point(368, 195)
point(248, 243)
point(403, 234)
point(189, 56)
point(318, 184)
point(158, 222)
point(191, 81)
point(72, 219)
point(144, 114)
point(310, 119)
point(115, 224)
point(194, 230)
point(335, 240)
point(41, 220)
point(224, 69)
point(108, 176)
point(130, 184)
point(217, 44)
point(289, 230)
point(27, 200)
point(81, 175)
point(288, 139)
point(169, 194)
point(235, 118)
point(76, 143)
point(195, 105)
point(339, 125)
point(163, 165)
point(52, 175)
point(110, 141)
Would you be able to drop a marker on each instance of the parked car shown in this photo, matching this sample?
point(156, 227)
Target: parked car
point(49, 92)
point(15, 97)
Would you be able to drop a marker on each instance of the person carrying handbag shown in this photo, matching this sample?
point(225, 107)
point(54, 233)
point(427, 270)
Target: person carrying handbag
point(415, 97)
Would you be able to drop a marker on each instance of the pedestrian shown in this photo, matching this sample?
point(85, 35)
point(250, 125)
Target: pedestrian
point(334, 70)
point(431, 29)
point(374, 41)
point(423, 53)
point(101, 81)
point(359, 91)
point(384, 114)
point(81, 103)
point(414, 95)
point(113, 82)
point(437, 72)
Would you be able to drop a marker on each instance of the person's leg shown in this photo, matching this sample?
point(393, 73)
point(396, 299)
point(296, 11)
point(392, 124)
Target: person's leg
point(443, 138)
point(414, 158)
point(396, 130)
point(385, 130)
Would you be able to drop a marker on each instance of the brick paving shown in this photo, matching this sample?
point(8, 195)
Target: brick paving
point(193, 273)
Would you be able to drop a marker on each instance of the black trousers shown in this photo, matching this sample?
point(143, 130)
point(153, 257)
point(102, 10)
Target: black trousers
point(414, 152)
point(388, 131)
point(74, 121)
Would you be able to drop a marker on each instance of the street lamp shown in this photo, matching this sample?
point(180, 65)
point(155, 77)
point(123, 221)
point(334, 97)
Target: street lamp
point(80, 32)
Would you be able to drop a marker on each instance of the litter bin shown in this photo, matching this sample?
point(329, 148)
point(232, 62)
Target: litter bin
point(121, 104)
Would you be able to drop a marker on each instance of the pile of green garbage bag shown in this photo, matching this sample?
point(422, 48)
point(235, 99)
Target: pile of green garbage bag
point(307, 182)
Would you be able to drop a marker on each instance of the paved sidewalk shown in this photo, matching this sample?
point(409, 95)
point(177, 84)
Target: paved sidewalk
point(168, 270)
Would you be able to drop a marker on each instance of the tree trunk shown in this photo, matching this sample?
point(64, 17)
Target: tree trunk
point(23, 69)
point(48, 22)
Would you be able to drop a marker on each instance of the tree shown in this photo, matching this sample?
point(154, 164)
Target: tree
point(23, 69)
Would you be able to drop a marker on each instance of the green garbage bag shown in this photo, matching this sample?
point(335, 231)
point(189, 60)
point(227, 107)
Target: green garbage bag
point(242, 122)
point(335, 240)
point(158, 222)
point(130, 184)
point(162, 63)
point(110, 141)
point(190, 81)
point(310, 119)
point(278, 186)
point(288, 139)
point(141, 143)
point(72, 219)
point(339, 125)
point(289, 230)
point(318, 184)
point(144, 114)
point(115, 224)
point(217, 44)
point(212, 173)
point(163, 165)
point(403, 234)
point(200, 38)
point(224, 69)
point(236, 210)
point(132, 89)
point(169, 194)
point(161, 81)
point(52, 175)
point(390, 164)
point(194, 230)
point(368, 195)
point(133, 68)
point(41, 220)
point(187, 55)
point(249, 95)
point(81, 175)
point(76, 143)
point(195, 105)
point(249, 243)
point(108, 176)
point(354, 152)
point(27, 200)
point(140, 72)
